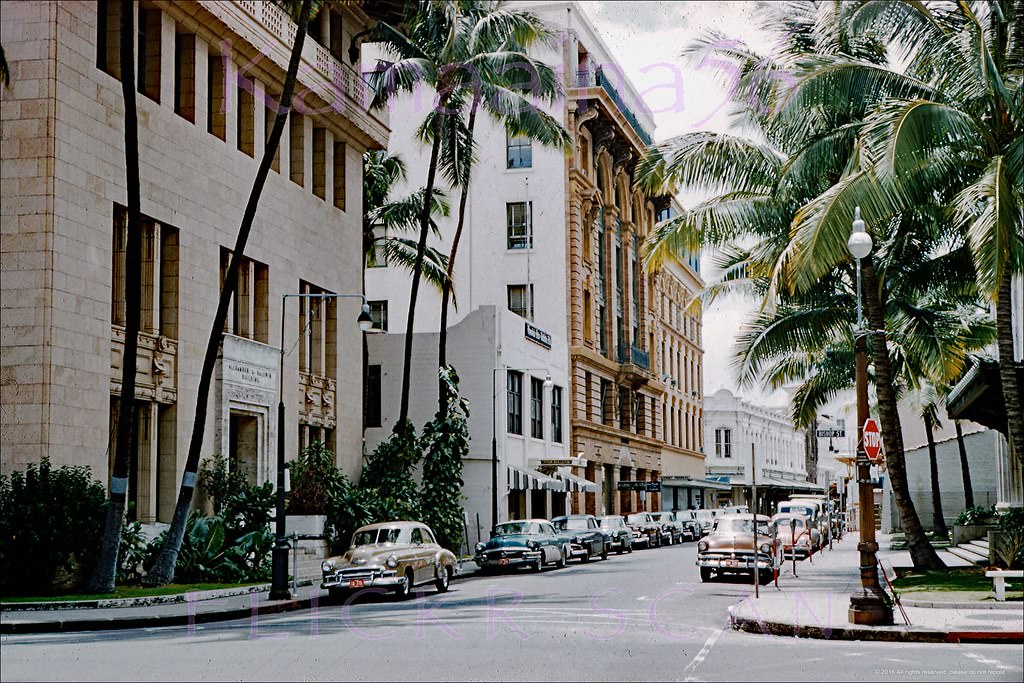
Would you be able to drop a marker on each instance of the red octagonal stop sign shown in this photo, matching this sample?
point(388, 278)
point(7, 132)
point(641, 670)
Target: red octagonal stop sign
point(872, 437)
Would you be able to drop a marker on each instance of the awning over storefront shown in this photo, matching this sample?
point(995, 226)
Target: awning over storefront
point(978, 396)
point(695, 483)
point(574, 484)
point(523, 478)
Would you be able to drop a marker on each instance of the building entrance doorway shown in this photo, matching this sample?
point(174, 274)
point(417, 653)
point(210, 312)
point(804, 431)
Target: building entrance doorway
point(244, 445)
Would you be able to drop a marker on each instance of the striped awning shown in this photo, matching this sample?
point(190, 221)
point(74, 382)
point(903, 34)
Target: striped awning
point(523, 479)
point(574, 484)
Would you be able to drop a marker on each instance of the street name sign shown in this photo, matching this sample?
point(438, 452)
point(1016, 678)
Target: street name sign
point(830, 433)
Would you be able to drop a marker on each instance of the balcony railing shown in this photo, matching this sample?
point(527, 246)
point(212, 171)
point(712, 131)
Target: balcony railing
point(587, 78)
point(633, 354)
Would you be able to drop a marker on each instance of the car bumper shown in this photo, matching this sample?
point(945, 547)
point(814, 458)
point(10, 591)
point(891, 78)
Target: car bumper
point(388, 579)
point(527, 557)
point(731, 564)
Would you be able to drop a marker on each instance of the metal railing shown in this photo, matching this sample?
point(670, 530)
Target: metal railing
point(631, 353)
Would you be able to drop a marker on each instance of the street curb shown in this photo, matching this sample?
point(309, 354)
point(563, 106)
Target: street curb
point(883, 634)
point(150, 601)
point(961, 605)
point(151, 621)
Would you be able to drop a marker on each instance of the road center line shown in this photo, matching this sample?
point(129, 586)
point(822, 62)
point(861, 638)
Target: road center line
point(699, 658)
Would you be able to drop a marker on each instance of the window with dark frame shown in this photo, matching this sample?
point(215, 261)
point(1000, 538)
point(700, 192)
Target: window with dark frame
point(514, 394)
point(723, 443)
point(379, 315)
point(520, 300)
point(517, 219)
point(519, 151)
point(372, 406)
point(556, 414)
point(536, 408)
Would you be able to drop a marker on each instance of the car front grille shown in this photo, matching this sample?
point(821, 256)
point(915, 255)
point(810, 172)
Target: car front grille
point(505, 553)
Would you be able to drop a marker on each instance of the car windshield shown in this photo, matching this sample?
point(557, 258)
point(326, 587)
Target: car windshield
point(638, 518)
point(659, 517)
point(802, 509)
point(739, 525)
point(514, 528)
point(572, 523)
point(786, 521)
point(372, 536)
point(703, 515)
point(609, 523)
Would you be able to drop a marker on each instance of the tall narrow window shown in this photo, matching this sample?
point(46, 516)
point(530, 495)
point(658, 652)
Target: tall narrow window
point(519, 151)
point(556, 414)
point(536, 408)
point(249, 314)
point(514, 392)
point(339, 175)
point(379, 315)
point(518, 231)
point(148, 67)
point(185, 76)
point(520, 300)
point(246, 125)
point(296, 148)
point(320, 162)
point(216, 105)
point(588, 318)
point(268, 127)
point(108, 37)
point(606, 402)
point(372, 406)
point(723, 443)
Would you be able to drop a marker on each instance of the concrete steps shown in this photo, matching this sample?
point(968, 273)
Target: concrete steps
point(975, 552)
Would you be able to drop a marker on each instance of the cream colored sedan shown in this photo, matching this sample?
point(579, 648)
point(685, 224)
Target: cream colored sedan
point(393, 556)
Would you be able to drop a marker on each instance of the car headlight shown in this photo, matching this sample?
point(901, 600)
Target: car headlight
point(702, 546)
point(532, 545)
point(479, 547)
point(576, 539)
point(766, 547)
point(391, 562)
point(326, 566)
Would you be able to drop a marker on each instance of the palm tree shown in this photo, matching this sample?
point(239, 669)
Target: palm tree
point(760, 188)
point(502, 38)
point(929, 412)
point(5, 72)
point(105, 571)
point(435, 53)
point(965, 467)
point(162, 571)
point(385, 217)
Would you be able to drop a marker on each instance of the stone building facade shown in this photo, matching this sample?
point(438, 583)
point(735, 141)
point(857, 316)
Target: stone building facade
point(208, 73)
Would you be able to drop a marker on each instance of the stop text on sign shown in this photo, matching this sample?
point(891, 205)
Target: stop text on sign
point(872, 438)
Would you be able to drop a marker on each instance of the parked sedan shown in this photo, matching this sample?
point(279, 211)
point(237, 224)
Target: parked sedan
point(583, 536)
point(796, 534)
point(734, 548)
point(671, 528)
point(395, 556)
point(691, 527)
point(621, 535)
point(521, 543)
point(645, 530)
point(706, 519)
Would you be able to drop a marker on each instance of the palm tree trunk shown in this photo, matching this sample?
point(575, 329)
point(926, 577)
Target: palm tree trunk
point(105, 572)
point(921, 552)
point(446, 287)
point(162, 571)
point(421, 248)
point(965, 468)
point(1007, 370)
point(938, 521)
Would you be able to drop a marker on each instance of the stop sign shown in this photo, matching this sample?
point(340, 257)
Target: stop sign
point(872, 438)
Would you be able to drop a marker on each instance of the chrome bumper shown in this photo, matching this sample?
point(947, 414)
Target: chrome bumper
point(521, 556)
point(734, 564)
point(375, 579)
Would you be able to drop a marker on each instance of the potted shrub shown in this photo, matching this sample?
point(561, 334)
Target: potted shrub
point(314, 479)
point(973, 523)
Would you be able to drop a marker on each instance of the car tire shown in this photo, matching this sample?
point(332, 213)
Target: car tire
point(586, 556)
point(404, 591)
point(443, 580)
point(629, 548)
point(705, 575)
point(622, 548)
point(604, 551)
point(335, 594)
point(561, 562)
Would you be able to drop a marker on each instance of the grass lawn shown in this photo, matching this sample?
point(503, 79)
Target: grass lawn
point(971, 581)
point(130, 592)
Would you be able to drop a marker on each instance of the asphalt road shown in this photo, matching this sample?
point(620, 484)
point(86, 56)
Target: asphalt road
point(644, 616)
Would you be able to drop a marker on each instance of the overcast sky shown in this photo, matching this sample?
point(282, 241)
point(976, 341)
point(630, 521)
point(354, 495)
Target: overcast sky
point(647, 38)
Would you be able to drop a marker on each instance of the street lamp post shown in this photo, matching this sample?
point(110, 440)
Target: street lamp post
point(279, 556)
point(867, 605)
point(548, 383)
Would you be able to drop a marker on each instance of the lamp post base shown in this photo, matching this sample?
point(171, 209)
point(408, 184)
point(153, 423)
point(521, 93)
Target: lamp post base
point(868, 608)
point(279, 576)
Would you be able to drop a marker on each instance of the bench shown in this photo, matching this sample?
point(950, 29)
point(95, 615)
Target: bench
point(999, 577)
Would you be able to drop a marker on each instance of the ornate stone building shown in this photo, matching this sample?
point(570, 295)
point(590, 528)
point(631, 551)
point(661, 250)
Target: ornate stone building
point(208, 76)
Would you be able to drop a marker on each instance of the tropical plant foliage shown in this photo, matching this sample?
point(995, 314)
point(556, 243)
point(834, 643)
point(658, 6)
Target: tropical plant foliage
point(446, 443)
point(315, 479)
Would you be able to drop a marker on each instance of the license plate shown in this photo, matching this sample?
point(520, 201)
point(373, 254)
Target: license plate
point(503, 561)
point(732, 563)
point(355, 583)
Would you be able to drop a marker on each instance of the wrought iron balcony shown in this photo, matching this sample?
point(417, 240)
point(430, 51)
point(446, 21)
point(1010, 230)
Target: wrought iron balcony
point(634, 355)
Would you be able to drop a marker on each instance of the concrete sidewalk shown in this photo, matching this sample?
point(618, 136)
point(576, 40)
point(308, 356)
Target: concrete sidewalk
point(814, 604)
point(180, 610)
